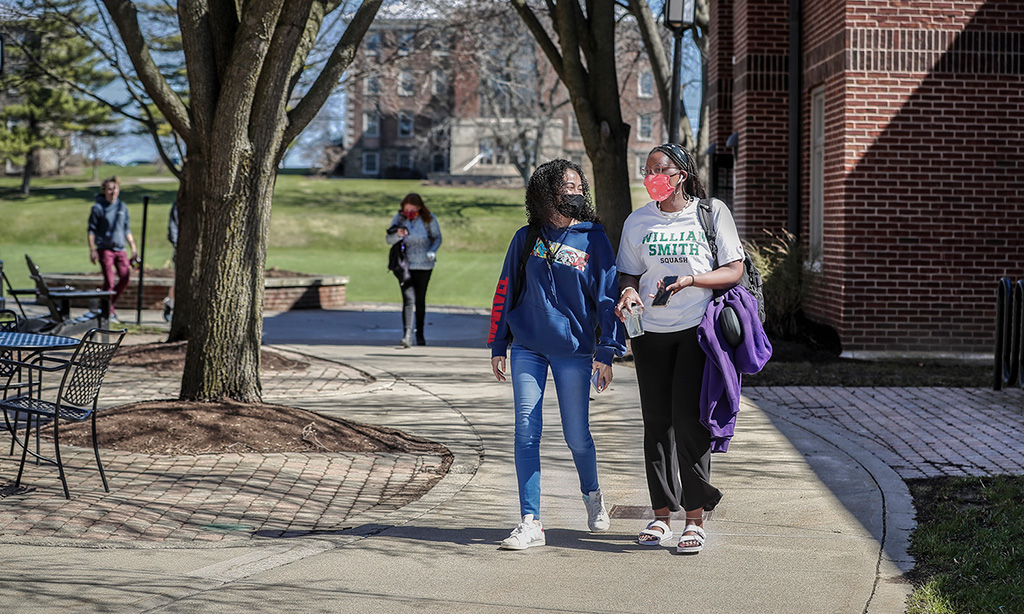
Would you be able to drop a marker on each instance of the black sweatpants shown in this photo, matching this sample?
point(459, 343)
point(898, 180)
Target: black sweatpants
point(670, 369)
point(414, 295)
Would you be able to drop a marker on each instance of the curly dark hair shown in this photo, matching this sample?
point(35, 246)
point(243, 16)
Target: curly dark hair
point(545, 189)
point(684, 161)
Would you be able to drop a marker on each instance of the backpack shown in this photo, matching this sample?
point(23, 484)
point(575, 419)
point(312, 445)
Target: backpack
point(751, 279)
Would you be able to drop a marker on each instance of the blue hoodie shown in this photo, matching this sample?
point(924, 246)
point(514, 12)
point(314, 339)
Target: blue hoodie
point(564, 300)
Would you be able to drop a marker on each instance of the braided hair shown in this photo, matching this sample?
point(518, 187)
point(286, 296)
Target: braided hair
point(685, 162)
point(544, 191)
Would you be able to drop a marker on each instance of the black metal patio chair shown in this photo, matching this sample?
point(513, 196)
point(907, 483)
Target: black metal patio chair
point(76, 399)
point(58, 301)
point(10, 323)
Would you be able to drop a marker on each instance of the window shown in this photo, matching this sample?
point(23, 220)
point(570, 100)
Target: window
point(406, 43)
point(406, 84)
point(645, 127)
point(405, 159)
point(371, 123)
point(373, 43)
point(438, 164)
point(371, 86)
point(574, 129)
point(645, 84)
point(491, 153)
point(440, 82)
point(405, 124)
point(816, 224)
point(442, 43)
point(371, 162)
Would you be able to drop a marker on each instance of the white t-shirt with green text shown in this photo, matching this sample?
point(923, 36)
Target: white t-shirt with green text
point(655, 244)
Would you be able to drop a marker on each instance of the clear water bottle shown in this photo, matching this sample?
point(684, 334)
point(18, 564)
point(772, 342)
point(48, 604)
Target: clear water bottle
point(634, 328)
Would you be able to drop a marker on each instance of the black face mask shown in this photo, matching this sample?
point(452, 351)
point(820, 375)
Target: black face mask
point(571, 205)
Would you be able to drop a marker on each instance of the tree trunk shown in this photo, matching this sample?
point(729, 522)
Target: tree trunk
point(187, 253)
point(27, 171)
point(226, 326)
point(611, 182)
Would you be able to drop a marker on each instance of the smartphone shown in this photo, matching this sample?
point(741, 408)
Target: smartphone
point(595, 379)
point(661, 298)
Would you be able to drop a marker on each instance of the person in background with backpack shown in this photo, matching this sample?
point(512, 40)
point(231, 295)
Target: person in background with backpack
point(419, 230)
point(555, 306)
point(664, 250)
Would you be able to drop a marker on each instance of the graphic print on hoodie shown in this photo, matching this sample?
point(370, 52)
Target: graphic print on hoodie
point(565, 300)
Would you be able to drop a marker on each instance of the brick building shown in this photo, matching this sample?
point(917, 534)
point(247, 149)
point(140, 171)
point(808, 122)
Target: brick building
point(905, 127)
point(424, 100)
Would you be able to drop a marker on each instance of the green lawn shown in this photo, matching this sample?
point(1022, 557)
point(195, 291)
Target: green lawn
point(322, 226)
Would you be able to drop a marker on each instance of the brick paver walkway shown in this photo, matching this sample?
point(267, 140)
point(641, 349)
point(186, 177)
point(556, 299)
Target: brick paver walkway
point(919, 432)
point(214, 499)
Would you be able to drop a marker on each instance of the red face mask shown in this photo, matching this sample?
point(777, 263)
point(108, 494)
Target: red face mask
point(658, 187)
point(411, 215)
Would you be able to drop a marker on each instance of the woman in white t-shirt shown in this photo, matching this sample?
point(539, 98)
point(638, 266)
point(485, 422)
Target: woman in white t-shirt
point(664, 239)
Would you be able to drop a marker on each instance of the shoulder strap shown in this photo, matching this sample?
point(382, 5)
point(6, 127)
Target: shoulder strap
point(531, 239)
point(707, 221)
point(430, 227)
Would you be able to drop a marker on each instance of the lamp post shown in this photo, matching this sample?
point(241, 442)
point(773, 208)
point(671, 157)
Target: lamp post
point(678, 17)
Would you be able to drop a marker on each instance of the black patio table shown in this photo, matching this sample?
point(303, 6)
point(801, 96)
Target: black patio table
point(26, 346)
point(32, 342)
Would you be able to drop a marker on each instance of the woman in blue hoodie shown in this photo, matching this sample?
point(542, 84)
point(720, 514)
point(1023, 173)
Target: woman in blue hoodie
point(555, 306)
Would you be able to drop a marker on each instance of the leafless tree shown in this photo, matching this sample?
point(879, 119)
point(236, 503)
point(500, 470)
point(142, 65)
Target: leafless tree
point(244, 63)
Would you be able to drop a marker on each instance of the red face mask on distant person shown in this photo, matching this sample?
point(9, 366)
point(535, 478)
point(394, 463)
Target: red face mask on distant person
point(411, 215)
point(658, 187)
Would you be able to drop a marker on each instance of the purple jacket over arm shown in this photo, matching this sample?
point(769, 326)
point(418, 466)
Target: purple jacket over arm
point(720, 392)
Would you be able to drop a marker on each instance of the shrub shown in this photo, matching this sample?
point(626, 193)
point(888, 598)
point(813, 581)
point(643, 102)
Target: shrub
point(787, 281)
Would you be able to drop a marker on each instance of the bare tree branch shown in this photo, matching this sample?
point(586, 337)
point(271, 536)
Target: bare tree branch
point(340, 59)
point(541, 35)
point(125, 17)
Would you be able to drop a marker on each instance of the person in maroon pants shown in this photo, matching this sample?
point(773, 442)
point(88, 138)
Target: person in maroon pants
point(109, 235)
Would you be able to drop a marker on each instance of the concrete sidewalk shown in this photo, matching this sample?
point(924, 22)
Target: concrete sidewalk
point(815, 516)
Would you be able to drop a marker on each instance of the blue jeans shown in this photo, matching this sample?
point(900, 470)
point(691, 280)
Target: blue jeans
point(572, 385)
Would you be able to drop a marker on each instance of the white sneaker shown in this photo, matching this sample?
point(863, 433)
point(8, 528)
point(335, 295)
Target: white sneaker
point(527, 534)
point(597, 516)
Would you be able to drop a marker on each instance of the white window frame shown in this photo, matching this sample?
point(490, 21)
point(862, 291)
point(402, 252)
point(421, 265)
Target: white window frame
point(373, 169)
point(816, 206)
point(406, 78)
point(373, 44)
point(642, 91)
point(438, 162)
point(371, 124)
point(406, 43)
point(440, 78)
point(406, 117)
point(574, 129)
point(640, 119)
point(371, 85)
point(406, 160)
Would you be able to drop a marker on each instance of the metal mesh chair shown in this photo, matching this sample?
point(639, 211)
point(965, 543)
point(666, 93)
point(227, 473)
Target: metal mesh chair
point(9, 323)
point(76, 399)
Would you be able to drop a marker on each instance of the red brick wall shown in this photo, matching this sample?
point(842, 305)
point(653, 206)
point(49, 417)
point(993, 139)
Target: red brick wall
point(824, 65)
point(761, 39)
point(922, 180)
point(720, 74)
point(932, 186)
